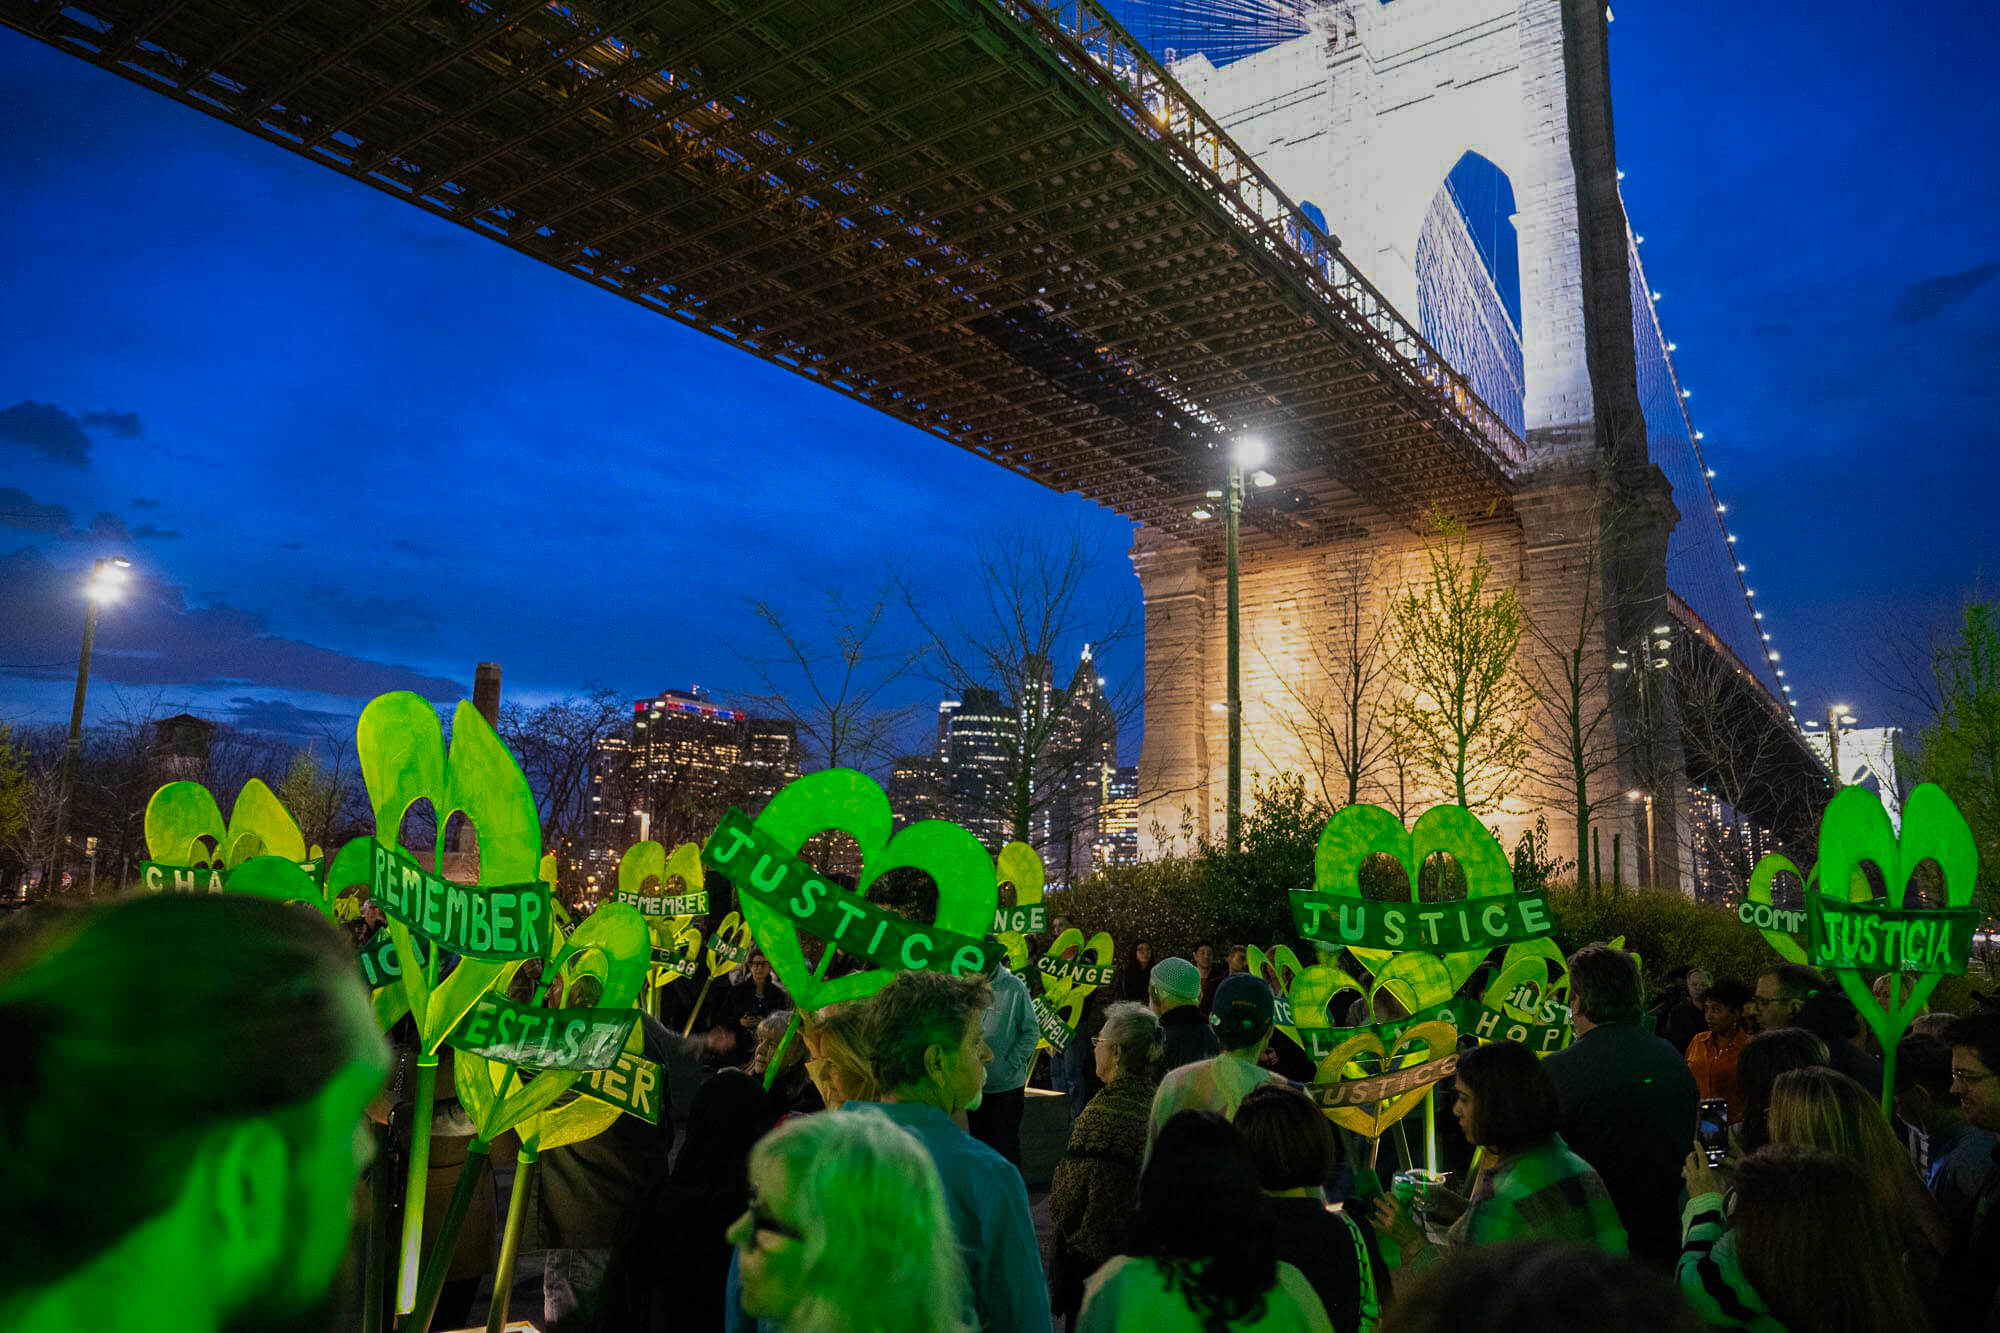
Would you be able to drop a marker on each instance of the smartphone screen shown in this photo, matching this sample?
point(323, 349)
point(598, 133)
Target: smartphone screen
point(1712, 1128)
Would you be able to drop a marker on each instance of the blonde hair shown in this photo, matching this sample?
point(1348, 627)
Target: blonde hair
point(838, 1035)
point(880, 1253)
point(1817, 1107)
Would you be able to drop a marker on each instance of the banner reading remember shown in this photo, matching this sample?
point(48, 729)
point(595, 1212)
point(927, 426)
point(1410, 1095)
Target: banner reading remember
point(497, 923)
point(1458, 926)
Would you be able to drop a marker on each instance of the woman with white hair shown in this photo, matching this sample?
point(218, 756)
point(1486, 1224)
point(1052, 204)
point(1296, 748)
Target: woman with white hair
point(1090, 1198)
point(847, 1231)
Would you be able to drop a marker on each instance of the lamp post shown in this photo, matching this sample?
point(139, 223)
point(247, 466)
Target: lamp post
point(1652, 857)
point(1645, 660)
point(1248, 453)
point(107, 576)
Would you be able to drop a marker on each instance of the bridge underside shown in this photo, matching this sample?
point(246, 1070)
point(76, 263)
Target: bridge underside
point(949, 210)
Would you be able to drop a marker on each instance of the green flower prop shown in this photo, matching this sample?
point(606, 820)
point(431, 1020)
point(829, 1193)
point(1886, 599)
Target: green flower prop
point(1334, 913)
point(781, 894)
point(403, 760)
point(646, 881)
point(1020, 867)
point(1422, 1053)
point(1852, 934)
point(258, 851)
point(1068, 973)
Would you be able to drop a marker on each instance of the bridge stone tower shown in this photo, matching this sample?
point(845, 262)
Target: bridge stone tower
point(1364, 118)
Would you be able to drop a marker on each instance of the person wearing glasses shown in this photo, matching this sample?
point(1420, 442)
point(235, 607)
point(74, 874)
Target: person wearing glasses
point(846, 1230)
point(1970, 1281)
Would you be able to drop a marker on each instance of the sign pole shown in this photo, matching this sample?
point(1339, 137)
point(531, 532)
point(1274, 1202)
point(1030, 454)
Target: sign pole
point(778, 1056)
point(420, 1160)
point(478, 1161)
point(510, 1242)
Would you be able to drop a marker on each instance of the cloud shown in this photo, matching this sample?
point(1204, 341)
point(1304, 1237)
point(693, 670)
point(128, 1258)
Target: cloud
point(281, 718)
point(21, 511)
point(150, 531)
point(144, 502)
point(47, 429)
point(153, 636)
point(125, 425)
point(379, 613)
point(1921, 300)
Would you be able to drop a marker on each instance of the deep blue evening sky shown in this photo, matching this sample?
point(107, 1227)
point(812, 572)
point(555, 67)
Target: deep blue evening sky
point(354, 448)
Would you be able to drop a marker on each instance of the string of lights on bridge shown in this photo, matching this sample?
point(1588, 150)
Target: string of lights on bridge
point(1708, 474)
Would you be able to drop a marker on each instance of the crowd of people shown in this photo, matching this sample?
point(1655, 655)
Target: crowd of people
point(193, 1079)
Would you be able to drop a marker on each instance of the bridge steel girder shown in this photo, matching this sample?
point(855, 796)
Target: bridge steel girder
point(763, 174)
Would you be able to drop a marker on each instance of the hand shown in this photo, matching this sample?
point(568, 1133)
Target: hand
point(1392, 1221)
point(1702, 1178)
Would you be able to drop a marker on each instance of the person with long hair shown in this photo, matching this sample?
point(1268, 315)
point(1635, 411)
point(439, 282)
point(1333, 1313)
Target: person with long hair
point(837, 1054)
point(1806, 1247)
point(1765, 1056)
point(845, 1231)
point(1134, 972)
point(1295, 1152)
point(1090, 1196)
point(1203, 1257)
point(1825, 1109)
point(1532, 1184)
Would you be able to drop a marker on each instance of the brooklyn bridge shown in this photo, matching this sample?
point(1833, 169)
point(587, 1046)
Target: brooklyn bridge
point(1391, 247)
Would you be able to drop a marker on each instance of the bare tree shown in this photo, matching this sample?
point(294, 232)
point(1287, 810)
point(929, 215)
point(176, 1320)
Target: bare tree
point(1464, 706)
point(827, 673)
point(1740, 747)
point(553, 745)
point(1032, 608)
point(1574, 747)
point(1340, 713)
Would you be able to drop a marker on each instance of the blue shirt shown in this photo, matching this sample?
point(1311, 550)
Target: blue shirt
point(1009, 1028)
point(989, 1215)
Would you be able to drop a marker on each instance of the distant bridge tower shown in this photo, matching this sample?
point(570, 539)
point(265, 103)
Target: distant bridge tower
point(1364, 118)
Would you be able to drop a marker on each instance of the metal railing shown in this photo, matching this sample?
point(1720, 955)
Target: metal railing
point(1157, 106)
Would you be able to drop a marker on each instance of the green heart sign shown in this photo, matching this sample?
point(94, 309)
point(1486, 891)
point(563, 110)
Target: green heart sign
point(182, 815)
point(643, 874)
point(1020, 866)
point(403, 760)
point(1334, 912)
point(780, 893)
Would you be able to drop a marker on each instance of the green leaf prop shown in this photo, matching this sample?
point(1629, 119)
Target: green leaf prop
point(1021, 866)
point(1369, 1109)
point(1067, 981)
point(644, 861)
point(182, 814)
point(1851, 934)
point(777, 891)
point(404, 760)
point(613, 945)
point(1782, 928)
point(1335, 912)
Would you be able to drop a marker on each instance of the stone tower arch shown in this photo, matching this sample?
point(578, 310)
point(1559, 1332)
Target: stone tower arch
point(1366, 115)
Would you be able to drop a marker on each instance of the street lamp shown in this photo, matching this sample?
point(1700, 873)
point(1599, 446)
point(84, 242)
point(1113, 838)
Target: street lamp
point(107, 579)
point(1248, 453)
point(1652, 857)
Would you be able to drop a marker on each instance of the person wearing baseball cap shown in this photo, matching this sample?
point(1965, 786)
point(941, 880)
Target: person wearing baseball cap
point(1242, 1017)
point(1173, 988)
